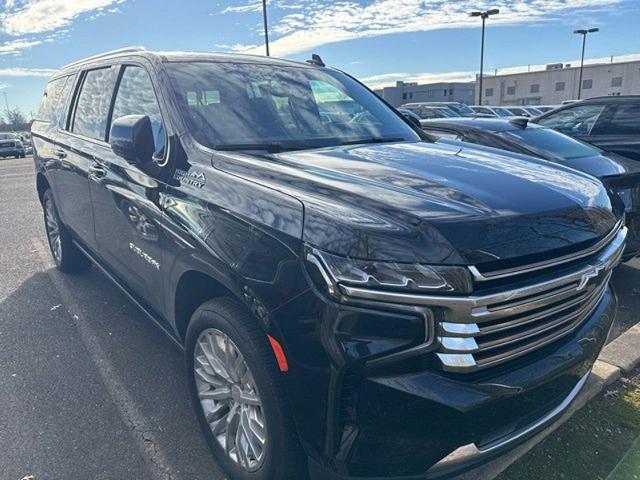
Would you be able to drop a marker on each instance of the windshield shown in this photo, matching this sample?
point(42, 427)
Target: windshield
point(550, 141)
point(236, 105)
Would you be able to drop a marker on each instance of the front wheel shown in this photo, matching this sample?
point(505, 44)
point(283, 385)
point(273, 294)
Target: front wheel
point(66, 255)
point(238, 394)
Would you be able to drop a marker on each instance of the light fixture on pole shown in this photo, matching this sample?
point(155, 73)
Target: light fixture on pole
point(266, 25)
point(484, 15)
point(584, 33)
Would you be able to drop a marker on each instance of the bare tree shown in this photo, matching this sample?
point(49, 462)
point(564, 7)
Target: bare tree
point(15, 119)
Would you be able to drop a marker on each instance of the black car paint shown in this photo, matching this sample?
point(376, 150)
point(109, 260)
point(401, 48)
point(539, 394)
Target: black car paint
point(612, 169)
point(237, 224)
point(627, 145)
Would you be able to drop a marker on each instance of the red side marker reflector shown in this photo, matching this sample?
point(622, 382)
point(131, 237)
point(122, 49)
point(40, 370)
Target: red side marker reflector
point(279, 353)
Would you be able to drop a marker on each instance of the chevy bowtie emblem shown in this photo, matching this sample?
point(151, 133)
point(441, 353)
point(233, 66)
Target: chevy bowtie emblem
point(593, 272)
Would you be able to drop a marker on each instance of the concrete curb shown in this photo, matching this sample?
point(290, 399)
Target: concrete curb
point(620, 356)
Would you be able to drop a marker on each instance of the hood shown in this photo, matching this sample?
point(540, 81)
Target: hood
point(607, 164)
point(431, 203)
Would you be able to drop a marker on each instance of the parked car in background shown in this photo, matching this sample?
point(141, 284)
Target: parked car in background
point(546, 108)
point(611, 123)
point(11, 146)
point(427, 111)
point(412, 117)
point(492, 111)
point(524, 111)
point(352, 300)
point(459, 109)
point(521, 136)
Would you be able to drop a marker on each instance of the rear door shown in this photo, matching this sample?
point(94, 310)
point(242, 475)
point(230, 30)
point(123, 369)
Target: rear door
point(125, 197)
point(78, 145)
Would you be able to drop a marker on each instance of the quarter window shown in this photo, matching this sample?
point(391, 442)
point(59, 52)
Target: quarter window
point(50, 100)
point(92, 107)
point(136, 97)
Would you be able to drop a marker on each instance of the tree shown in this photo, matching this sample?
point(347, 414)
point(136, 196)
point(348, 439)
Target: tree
point(15, 119)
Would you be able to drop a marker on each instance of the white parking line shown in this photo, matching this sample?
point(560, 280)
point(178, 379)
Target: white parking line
point(154, 457)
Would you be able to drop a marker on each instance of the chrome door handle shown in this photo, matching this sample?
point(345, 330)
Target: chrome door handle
point(97, 172)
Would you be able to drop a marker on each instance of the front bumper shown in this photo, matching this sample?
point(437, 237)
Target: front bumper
point(417, 422)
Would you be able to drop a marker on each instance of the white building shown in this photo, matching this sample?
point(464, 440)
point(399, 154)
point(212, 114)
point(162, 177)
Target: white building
point(560, 82)
point(410, 92)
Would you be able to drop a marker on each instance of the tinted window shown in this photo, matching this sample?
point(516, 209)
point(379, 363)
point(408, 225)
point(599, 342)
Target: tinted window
point(295, 107)
point(578, 120)
point(546, 140)
point(625, 120)
point(136, 97)
point(502, 112)
point(50, 100)
point(92, 107)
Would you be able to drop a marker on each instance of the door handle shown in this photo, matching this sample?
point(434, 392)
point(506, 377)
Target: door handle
point(60, 153)
point(97, 172)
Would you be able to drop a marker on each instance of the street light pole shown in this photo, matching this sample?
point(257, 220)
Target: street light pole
point(584, 34)
point(484, 15)
point(266, 25)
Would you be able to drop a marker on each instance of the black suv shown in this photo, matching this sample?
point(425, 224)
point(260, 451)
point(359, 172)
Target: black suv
point(611, 123)
point(352, 299)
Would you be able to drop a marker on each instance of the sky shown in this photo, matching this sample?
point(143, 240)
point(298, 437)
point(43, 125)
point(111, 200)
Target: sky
point(378, 41)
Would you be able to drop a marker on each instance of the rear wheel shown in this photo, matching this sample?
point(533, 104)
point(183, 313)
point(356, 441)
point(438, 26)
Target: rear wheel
point(239, 396)
point(66, 255)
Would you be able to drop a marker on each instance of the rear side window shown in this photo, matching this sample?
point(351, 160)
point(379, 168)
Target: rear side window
point(92, 106)
point(51, 99)
point(625, 121)
point(136, 97)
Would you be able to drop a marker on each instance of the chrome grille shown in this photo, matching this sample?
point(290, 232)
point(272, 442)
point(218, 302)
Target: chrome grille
point(478, 332)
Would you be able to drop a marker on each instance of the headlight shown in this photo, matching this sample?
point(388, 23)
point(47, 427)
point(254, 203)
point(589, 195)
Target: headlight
point(409, 277)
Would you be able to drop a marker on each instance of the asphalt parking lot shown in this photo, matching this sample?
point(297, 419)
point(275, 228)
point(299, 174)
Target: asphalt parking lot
point(89, 388)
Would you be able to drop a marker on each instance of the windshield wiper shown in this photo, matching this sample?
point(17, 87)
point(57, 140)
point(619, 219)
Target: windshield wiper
point(373, 140)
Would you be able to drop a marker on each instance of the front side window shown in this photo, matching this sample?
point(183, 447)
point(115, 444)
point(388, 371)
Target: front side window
point(235, 105)
point(92, 107)
point(578, 120)
point(136, 96)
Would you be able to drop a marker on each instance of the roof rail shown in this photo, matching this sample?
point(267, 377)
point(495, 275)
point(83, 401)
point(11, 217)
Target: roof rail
point(107, 54)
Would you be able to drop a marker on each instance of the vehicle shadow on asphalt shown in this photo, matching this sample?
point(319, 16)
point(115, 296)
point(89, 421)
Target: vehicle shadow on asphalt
point(58, 419)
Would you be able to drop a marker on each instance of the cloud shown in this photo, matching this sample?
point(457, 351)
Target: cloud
point(37, 16)
point(15, 46)
point(321, 22)
point(388, 79)
point(26, 72)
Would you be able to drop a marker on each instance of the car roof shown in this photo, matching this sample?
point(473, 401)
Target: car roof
point(180, 56)
point(483, 123)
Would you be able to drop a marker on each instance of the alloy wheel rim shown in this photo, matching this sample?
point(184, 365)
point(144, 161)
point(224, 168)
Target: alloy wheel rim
point(53, 231)
point(229, 399)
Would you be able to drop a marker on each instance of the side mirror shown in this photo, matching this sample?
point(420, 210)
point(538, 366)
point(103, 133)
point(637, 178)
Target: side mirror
point(131, 138)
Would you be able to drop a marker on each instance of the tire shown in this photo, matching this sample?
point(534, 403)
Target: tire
point(66, 255)
point(282, 458)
